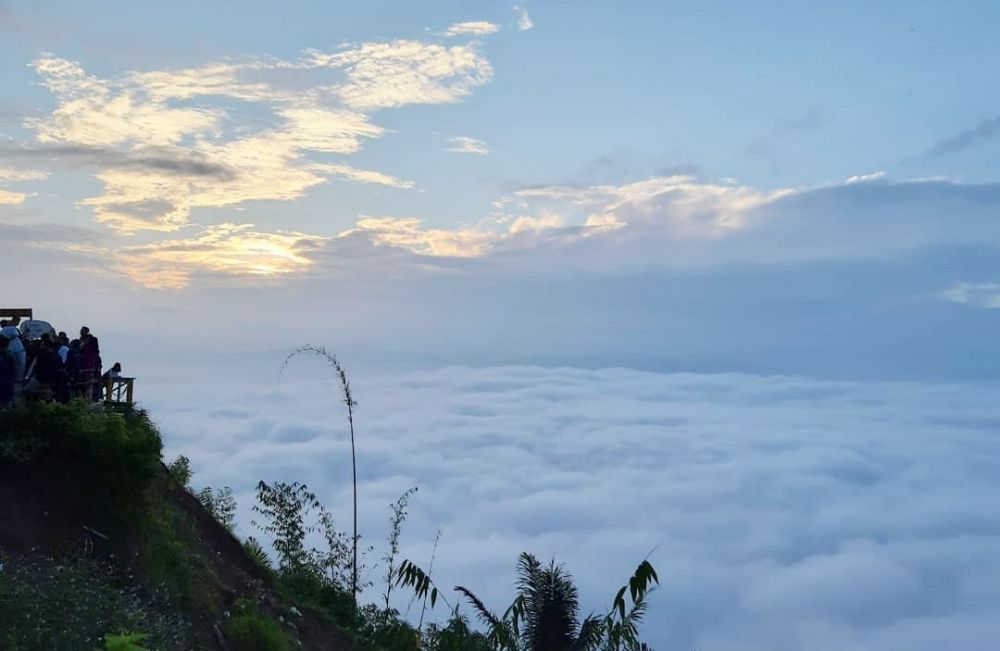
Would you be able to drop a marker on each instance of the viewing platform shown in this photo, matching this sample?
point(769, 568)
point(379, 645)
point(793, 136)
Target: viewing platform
point(49, 366)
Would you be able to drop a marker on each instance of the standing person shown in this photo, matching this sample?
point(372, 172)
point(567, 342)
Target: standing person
point(15, 346)
point(73, 368)
point(47, 367)
point(8, 371)
point(90, 365)
point(63, 347)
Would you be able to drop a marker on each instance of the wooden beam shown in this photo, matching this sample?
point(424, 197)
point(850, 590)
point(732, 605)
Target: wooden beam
point(23, 312)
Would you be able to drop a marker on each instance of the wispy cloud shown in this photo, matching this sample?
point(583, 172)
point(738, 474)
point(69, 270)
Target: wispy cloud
point(981, 295)
point(964, 139)
point(472, 28)
point(407, 233)
point(11, 198)
point(226, 249)
point(402, 72)
point(466, 145)
point(788, 127)
point(166, 142)
point(524, 22)
point(866, 178)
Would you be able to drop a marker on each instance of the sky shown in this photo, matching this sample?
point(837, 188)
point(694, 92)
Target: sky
point(550, 192)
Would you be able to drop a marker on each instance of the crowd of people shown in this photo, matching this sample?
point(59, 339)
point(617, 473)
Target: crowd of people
point(50, 366)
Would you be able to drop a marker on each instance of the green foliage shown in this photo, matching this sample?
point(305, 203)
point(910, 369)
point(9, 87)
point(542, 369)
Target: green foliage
point(283, 508)
point(395, 529)
point(257, 553)
point(115, 455)
point(221, 504)
point(167, 556)
point(384, 630)
point(456, 635)
point(252, 632)
point(125, 642)
point(544, 613)
point(71, 604)
point(180, 471)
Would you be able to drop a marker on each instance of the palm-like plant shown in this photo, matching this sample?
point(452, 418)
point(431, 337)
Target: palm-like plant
point(544, 615)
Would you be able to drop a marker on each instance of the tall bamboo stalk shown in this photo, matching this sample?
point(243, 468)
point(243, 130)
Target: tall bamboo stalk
point(331, 359)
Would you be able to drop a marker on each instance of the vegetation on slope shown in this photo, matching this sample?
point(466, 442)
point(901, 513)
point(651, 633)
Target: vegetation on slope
point(102, 546)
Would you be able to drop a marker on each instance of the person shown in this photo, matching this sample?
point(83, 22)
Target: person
point(8, 371)
point(84, 334)
point(90, 364)
point(15, 346)
point(47, 366)
point(72, 368)
point(63, 347)
point(114, 372)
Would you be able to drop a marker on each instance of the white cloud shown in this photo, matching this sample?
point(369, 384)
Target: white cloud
point(865, 178)
point(983, 295)
point(315, 104)
point(524, 22)
point(10, 198)
point(472, 28)
point(790, 514)
point(224, 249)
point(407, 233)
point(401, 72)
point(96, 112)
point(466, 145)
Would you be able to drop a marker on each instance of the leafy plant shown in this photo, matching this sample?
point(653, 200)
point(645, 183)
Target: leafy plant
point(456, 635)
point(396, 527)
point(180, 471)
point(257, 553)
point(253, 632)
point(283, 508)
point(544, 613)
point(220, 504)
point(125, 642)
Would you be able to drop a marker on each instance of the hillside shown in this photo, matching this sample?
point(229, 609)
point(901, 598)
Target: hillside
point(97, 537)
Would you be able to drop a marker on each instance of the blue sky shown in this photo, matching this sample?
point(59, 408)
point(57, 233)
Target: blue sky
point(759, 188)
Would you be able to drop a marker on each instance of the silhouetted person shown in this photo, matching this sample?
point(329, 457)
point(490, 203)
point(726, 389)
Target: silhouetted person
point(62, 346)
point(16, 347)
point(8, 372)
point(72, 368)
point(114, 372)
point(48, 366)
point(90, 365)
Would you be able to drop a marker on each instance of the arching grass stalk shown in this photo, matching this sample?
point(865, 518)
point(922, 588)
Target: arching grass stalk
point(331, 359)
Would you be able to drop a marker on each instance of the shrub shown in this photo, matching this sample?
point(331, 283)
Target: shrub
point(180, 471)
point(114, 455)
point(125, 642)
point(256, 633)
point(220, 504)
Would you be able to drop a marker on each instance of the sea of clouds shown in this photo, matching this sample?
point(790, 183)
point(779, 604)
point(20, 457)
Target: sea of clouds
point(783, 513)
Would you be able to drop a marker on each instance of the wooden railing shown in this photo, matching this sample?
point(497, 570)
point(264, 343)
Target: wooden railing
point(118, 391)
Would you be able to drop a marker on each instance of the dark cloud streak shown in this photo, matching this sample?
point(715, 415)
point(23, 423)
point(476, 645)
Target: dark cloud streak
point(154, 159)
point(985, 130)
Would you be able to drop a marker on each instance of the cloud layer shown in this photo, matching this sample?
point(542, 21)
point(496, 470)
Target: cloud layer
point(787, 513)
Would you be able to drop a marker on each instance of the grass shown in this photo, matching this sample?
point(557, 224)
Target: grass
point(71, 604)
